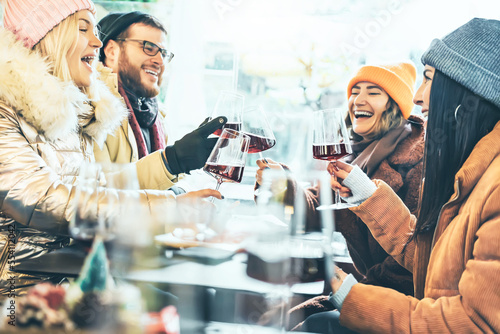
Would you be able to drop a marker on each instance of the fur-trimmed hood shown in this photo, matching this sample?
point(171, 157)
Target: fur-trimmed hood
point(54, 108)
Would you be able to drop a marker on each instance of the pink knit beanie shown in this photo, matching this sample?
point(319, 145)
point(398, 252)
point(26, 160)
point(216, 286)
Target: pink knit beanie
point(31, 20)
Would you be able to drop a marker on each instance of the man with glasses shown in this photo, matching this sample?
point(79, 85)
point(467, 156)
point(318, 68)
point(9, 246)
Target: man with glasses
point(133, 59)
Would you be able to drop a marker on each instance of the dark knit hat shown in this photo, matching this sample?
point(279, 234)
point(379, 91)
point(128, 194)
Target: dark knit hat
point(469, 55)
point(113, 24)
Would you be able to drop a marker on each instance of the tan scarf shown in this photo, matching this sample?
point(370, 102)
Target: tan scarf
point(368, 154)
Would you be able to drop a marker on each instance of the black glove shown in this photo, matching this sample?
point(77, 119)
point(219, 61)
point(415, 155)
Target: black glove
point(192, 150)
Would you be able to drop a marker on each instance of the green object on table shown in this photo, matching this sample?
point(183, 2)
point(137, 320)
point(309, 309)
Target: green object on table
point(95, 274)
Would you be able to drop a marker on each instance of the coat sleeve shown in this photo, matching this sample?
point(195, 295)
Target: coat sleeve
point(151, 170)
point(34, 195)
point(473, 310)
point(392, 234)
point(388, 273)
point(30, 192)
point(153, 174)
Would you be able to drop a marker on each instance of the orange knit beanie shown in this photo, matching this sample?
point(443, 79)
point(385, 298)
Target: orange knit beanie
point(398, 80)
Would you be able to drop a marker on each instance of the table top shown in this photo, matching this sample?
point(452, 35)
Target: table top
point(229, 274)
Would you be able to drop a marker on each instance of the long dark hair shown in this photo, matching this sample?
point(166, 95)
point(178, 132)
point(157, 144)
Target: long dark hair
point(451, 135)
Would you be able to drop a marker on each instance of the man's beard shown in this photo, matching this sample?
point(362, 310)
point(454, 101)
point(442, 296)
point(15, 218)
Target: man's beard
point(130, 76)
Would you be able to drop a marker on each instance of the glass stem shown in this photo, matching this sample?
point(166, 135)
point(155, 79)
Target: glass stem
point(285, 306)
point(336, 200)
point(337, 196)
point(219, 182)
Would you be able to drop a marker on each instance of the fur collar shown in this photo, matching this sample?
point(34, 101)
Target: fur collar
point(51, 106)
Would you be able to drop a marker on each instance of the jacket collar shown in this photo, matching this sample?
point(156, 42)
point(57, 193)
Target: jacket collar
point(485, 151)
point(51, 106)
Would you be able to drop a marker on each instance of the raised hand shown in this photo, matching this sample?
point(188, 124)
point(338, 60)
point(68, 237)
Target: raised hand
point(339, 171)
point(192, 150)
point(264, 164)
point(337, 279)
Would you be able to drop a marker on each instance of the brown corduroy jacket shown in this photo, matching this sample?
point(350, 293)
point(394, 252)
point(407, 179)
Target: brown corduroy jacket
point(460, 279)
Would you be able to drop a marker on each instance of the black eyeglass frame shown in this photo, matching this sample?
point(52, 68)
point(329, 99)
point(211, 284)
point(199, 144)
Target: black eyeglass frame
point(154, 49)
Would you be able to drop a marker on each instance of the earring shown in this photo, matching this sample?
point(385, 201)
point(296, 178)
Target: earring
point(456, 111)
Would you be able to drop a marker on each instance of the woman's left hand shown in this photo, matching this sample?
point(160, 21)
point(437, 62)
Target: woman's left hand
point(339, 171)
point(337, 279)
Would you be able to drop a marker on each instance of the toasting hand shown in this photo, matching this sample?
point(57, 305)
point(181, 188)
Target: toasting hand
point(192, 150)
point(337, 279)
point(339, 171)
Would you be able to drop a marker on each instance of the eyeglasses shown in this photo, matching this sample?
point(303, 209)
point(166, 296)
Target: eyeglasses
point(150, 48)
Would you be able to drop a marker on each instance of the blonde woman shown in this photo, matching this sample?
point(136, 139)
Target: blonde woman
point(52, 109)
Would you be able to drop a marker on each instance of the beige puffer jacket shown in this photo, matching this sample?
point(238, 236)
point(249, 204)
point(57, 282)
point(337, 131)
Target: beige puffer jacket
point(46, 133)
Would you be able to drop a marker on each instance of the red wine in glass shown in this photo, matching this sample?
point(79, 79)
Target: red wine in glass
point(234, 126)
point(330, 151)
point(232, 173)
point(259, 143)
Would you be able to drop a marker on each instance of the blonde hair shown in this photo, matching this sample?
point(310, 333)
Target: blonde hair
point(57, 44)
point(391, 118)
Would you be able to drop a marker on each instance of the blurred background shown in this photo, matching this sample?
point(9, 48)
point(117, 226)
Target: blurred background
point(290, 56)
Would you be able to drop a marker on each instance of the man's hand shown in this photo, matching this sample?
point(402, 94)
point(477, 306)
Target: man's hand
point(200, 194)
point(192, 150)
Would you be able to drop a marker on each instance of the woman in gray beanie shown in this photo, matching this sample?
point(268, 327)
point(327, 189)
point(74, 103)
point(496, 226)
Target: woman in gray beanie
point(452, 247)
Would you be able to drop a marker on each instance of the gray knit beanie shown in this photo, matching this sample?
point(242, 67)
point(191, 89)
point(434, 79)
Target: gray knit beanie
point(470, 55)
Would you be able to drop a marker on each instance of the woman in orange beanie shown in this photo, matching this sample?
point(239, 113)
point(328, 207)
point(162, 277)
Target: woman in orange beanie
point(387, 143)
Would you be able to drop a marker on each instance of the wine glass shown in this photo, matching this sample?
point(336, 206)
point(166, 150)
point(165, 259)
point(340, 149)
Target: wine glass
point(256, 126)
point(330, 143)
point(286, 250)
point(108, 207)
point(86, 225)
point(229, 104)
point(227, 159)
point(106, 203)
